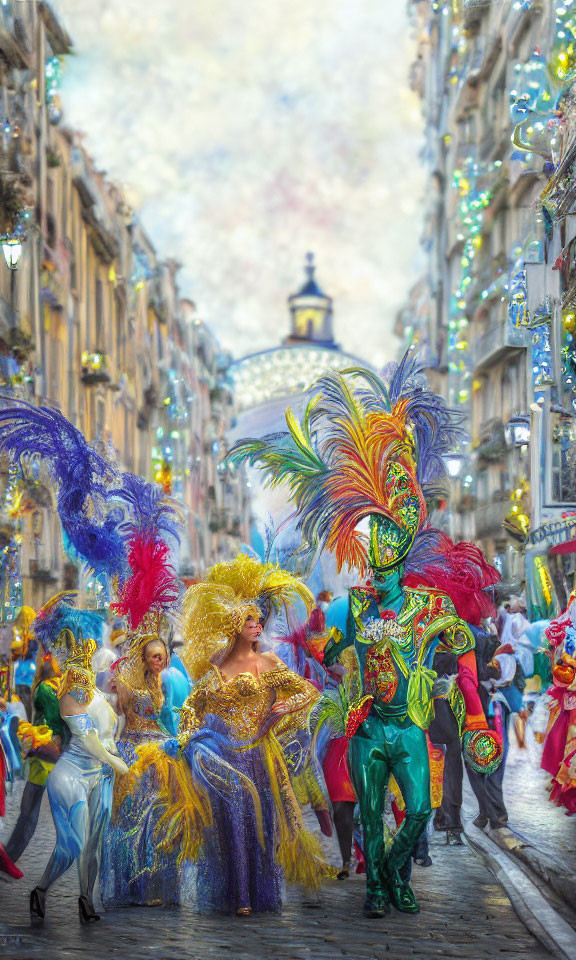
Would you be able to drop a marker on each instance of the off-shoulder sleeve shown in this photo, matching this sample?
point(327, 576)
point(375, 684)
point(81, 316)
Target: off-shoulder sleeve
point(292, 690)
point(79, 723)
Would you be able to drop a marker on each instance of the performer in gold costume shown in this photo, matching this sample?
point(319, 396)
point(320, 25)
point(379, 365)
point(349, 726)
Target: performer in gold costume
point(238, 817)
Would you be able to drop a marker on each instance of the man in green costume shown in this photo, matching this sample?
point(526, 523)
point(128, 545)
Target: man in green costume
point(367, 453)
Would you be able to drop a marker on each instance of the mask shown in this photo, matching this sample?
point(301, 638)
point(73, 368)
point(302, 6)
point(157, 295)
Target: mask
point(392, 534)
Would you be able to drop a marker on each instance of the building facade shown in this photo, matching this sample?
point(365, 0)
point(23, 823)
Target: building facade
point(495, 81)
point(92, 324)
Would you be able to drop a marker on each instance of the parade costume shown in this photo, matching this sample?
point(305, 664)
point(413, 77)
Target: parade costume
point(80, 785)
point(243, 826)
point(133, 872)
point(301, 650)
point(366, 449)
point(331, 730)
point(559, 754)
point(7, 865)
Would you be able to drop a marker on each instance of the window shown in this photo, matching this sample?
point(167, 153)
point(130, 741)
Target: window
point(119, 330)
point(99, 317)
point(56, 372)
point(507, 391)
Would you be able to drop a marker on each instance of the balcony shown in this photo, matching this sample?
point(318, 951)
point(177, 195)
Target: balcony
point(474, 11)
point(59, 39)
point(104, 232)
point(489, 518)
point(517, 20)
point(38, 570)
point(492, 447)
point(14, 43)
point(495, 342)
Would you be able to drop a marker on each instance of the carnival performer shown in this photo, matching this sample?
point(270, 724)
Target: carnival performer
point(80, 785)
point(243, 711)
point(334, 706)
point(364, 449)
point(559, 754)
point(24, 649)
point(302, 651)
point(43, 743)
point(5, 863)
point(176, 686)
point(133, 872)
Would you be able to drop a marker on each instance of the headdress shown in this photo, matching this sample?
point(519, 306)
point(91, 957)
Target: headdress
point(216, 609)
point(365, 448)
point(73, 636)
point(368, 447)
point(22, 628)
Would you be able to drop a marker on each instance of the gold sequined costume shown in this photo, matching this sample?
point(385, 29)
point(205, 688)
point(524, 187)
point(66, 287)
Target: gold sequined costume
point(229, 742)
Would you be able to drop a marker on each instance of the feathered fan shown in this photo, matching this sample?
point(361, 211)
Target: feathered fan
point(117, 522)
point(82, 477)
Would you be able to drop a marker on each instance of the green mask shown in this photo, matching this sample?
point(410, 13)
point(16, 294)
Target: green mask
point(391, 536)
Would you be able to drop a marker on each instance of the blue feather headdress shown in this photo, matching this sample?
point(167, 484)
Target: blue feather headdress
point(61, 614)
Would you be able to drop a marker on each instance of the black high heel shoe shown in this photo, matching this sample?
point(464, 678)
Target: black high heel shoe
point(86, 912)
point(37, 907)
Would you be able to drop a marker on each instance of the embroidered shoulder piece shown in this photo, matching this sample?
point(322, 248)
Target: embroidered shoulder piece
point(79, 684)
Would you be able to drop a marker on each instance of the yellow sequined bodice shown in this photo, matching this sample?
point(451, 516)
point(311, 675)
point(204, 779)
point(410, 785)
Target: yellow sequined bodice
point(244, 702)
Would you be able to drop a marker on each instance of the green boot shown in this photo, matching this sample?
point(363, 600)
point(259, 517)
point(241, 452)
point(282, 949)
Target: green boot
point(401, 894)
point(376, 904)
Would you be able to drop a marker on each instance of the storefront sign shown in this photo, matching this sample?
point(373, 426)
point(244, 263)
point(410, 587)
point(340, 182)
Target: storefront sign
point(557, 531)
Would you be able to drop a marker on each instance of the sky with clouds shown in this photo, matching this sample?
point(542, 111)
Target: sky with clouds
point(247, 133)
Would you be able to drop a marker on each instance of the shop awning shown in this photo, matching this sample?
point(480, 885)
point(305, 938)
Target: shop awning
point(562, 548)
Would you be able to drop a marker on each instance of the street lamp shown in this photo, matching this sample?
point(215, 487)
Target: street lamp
point(12, 249)
point(453, 464)
point(518, 430)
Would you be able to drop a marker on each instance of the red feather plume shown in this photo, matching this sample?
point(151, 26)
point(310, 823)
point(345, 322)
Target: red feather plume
point(152, 583)
point(463, 573)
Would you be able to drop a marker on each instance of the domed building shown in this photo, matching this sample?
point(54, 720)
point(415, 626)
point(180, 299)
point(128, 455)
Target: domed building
point(265, 384)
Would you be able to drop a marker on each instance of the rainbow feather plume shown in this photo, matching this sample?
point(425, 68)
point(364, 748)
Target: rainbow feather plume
point(334, 460)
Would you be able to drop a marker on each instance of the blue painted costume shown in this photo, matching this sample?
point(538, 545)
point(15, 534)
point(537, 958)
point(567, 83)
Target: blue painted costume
point(80, 785)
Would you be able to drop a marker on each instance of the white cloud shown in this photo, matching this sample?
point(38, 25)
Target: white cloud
point(249, 133)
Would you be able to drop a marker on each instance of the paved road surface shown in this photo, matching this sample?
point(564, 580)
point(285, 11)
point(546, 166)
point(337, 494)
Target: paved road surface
point(464, 914)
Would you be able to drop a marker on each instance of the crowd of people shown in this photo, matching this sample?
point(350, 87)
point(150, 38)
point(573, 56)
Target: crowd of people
point(180, 737)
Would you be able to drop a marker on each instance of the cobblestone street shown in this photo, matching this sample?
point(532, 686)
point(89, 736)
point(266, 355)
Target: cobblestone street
point(464, 913)
point(533, 816)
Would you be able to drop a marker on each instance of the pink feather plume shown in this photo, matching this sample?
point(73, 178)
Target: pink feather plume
point(152, 583)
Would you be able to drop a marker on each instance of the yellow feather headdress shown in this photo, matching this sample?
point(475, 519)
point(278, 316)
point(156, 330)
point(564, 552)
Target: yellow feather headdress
point(216, 609)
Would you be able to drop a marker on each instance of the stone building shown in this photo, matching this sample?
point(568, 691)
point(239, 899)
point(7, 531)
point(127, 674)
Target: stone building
point(92, 324)
point(481, 69)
